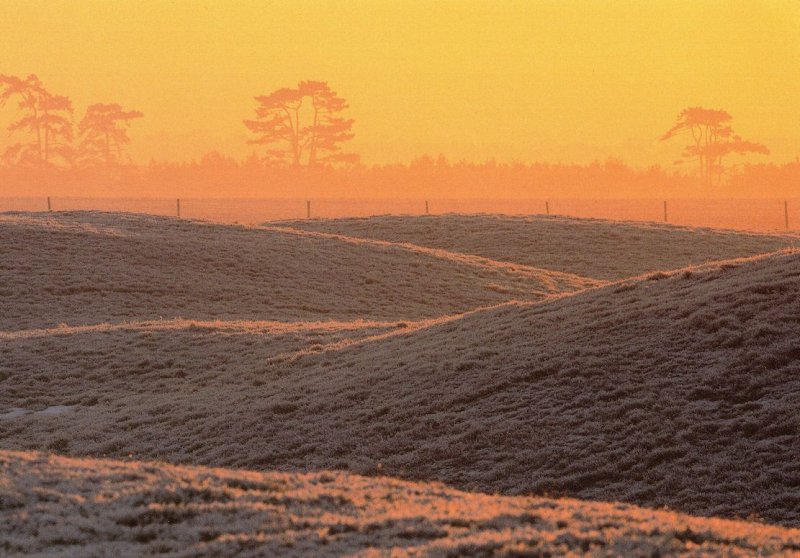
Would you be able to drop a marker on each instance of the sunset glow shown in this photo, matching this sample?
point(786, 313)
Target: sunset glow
point(399, 278)
point(568, 81)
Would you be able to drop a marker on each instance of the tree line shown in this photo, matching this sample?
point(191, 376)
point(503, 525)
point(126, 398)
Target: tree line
point(306, 128)
point(45, 128)
point(426, 177)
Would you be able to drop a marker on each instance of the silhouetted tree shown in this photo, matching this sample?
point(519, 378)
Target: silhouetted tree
point(713, 140)
point(104, 131)
point(47, 117)
point(302, 126)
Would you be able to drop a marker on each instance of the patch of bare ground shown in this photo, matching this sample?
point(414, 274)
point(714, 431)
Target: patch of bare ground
point(52, 505)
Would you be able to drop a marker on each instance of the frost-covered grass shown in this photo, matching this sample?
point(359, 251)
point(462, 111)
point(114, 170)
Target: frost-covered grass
point(674, 387)
point(586, 247)
point(85, 268)
point(58, 506)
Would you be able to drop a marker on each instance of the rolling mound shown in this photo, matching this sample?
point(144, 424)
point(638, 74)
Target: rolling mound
point(57, 506)
point(588, 247)
point(675, 389)
point(82, 268)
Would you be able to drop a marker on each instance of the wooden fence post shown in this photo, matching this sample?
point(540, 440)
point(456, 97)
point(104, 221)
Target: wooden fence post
point(786, 213)
point(426, 208)
point(308, 209)
point(665, 211)
point(49, 207)
point(178, 203)
point(547, 207)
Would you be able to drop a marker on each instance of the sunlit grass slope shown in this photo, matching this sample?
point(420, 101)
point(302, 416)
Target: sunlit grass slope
point(57, 506)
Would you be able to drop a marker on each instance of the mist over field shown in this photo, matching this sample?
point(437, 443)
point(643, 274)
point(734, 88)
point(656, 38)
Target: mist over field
point(382, 279)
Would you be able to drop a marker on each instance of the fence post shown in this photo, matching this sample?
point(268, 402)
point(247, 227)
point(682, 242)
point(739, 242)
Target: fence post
point(665, 211)
point(49, 207)
point(547, 207)
point(426, 207)
point(308, 209)
point(786, 213)
point(178, 203)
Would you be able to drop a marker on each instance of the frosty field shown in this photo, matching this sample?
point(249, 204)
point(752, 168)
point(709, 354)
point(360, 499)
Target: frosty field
point(527, 361)
point(133, 508)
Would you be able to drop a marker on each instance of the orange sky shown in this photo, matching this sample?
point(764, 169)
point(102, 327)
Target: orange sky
point(562, 80)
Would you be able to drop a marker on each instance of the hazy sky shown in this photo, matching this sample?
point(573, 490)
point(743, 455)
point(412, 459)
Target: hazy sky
point(554, 80)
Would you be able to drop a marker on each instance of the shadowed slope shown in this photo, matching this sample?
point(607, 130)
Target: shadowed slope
point(58, 506)
point(672, 389)
point(587, 247)
point(87, 268)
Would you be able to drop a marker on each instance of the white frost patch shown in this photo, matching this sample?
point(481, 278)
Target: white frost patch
point(15, 412)
point(56, 410)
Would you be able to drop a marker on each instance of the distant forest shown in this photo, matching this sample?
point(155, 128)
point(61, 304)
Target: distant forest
point(299, 139)
point(427, 177)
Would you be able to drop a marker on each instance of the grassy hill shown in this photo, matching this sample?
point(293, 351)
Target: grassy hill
point(675, 389)
point(58, 506)
point(88, 267)
point(588, 247)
